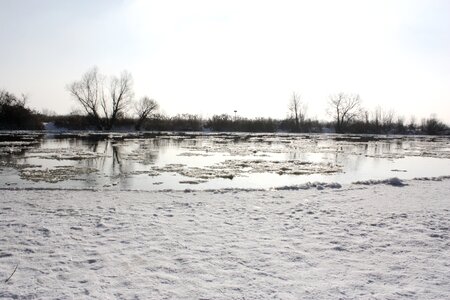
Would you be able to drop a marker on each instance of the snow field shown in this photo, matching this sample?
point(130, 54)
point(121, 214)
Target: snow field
point(357, 242)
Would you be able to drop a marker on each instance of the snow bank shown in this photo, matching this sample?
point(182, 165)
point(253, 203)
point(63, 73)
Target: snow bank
point(394, 181)
point(379, 242)
point(310, 185)
point(439, 178)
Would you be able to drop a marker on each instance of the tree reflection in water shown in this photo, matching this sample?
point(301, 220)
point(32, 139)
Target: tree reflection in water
point(126, 161)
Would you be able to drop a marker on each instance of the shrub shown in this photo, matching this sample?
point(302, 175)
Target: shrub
point(14, 115)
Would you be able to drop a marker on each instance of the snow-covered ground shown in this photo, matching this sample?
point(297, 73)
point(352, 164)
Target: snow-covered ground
point(355, 242)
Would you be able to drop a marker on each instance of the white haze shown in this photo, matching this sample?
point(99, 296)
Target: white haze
point(212, 57)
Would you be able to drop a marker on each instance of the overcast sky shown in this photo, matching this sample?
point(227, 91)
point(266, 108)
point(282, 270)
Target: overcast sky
point(212, 57)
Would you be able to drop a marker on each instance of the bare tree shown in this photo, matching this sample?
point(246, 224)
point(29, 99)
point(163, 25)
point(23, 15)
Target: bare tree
point(388, 118)
point(103, 107)
point(412, 123)
point(120, 96)
point(344, 108)
point(377, 118)
point(297, 110)
point(144, 108)
point(88, 92)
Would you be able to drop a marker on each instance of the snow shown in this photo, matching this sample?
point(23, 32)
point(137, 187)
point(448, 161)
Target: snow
point(373, 241)
point(394, 181)
point(309, 185)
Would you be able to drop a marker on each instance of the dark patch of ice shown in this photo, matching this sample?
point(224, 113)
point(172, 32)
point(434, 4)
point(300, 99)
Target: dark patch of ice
point(192, 181)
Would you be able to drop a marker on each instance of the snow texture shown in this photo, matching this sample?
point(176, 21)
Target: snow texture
point(356, 242)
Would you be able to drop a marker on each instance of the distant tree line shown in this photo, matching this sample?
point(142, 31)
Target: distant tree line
point(108, 103)
point(225, 122)
point(14, 115)
point(350, 116)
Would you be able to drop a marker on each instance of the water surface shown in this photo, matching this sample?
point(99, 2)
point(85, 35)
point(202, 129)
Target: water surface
point(152, 161)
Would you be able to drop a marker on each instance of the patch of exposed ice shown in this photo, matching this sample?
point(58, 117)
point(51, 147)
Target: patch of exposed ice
point(151, 173)
point(189, 154)
point(232, 168)
point(59, 173)
point(288, 167)
point(192, 181)
point(18, 166)
point(65, 154)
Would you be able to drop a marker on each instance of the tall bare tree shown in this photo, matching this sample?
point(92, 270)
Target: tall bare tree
point(120, 97)
point(297, 110)
point(388, 118)
point(144, 108)
point(104, 107)
point(377, 118)
point(344, 108)
point(88, 92)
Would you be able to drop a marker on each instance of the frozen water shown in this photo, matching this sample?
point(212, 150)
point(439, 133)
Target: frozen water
point(150, 161)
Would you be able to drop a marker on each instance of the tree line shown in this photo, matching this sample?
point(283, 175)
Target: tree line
point(108, 103)
point(15, 115)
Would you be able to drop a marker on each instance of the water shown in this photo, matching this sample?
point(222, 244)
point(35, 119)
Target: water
point(213, 161)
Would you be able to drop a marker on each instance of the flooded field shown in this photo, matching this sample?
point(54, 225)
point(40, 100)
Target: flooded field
point(201, 161)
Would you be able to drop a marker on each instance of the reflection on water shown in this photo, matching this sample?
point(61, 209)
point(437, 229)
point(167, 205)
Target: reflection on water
point(210, 161)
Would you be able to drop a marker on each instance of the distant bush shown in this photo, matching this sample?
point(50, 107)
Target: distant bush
point(433, 126)
point(72, 122)
point(85, 122)
point(306, 126)
point(14, 115)
point(221, 122)
point(184, 122)
point(225, 122)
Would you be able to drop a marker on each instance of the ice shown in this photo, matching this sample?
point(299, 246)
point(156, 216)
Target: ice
point(309, 185)
point(60, 173)
point(232, 168)
point(247, 161)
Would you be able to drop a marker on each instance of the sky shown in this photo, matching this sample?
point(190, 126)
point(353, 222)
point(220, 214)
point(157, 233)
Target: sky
point(211, 57)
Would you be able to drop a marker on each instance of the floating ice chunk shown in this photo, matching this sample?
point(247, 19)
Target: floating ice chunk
point(309, 185)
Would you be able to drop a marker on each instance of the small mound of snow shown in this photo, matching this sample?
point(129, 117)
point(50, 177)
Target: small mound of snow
point(440, 178)
point(394, 181)
point(310, 185)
